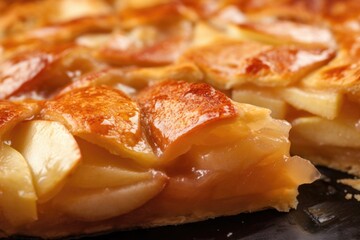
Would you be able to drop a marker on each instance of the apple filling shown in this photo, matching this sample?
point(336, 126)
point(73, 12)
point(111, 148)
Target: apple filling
point(248, 153)
point(222, 158)
point(325, 124)
point(106, 186)
point(333, 143)
point(250, 150)
point(18, 196)
point(71, 175)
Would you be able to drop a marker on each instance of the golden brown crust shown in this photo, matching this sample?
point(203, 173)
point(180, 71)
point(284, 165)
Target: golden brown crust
point(12, 113)
point(101, 115)
point(229, 64)
point(44, 70)
point(21, 72)
point(172, 109)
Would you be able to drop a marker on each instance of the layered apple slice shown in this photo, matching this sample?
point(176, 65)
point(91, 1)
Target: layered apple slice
point(95, 159)
point(305, 84)
point(219, 154)
point(51, 152)
point(106, 186)
point(72, 176)
point(18, 196)
point(333, 143)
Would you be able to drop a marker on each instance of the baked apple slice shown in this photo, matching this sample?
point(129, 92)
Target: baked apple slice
point(207, 142)
point(96, 204)
point(326, 104)
point(105, 186)
point(263, 98)
point(180, 152)
point(18, 196)
point(51, 152)
point(101, 169)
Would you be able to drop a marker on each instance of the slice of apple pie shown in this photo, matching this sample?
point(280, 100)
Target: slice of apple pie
point(93, 159)
point(107, 120)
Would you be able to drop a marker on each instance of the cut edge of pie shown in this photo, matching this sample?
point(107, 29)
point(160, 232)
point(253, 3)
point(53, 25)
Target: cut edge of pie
point(193, 180)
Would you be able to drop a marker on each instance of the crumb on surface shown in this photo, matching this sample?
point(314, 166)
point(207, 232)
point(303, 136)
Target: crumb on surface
point(349, 196)
point(354, 183)
point(357, 197)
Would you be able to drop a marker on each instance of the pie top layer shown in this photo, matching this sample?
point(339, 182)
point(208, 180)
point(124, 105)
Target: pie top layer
point(12, 113)
point(132, 36)
point(173, 110)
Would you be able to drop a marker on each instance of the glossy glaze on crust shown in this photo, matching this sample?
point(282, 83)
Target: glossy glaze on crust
point(131, 80)
point(101, 115)
point(228, 63)
point(20, 71)
point(12, 113)
point(171, 110)
point(342, 74)
point(40, 73)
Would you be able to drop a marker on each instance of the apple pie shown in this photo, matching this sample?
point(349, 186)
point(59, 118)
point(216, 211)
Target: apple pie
point(93, 159)
point(117, 114)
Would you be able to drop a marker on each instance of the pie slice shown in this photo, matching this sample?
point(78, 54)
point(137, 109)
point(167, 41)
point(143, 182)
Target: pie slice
point(126, 133)
point(95, 160)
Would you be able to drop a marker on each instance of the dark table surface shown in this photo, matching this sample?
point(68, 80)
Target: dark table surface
point(322, 213)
